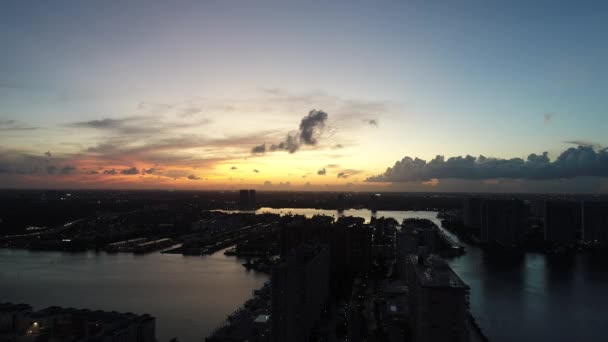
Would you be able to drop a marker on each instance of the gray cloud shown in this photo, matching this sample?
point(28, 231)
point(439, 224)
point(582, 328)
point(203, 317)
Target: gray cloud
point(342, 175)
point(194, 177)
point(136, 125)
point(110, 172)
point(584, 143)
point(308, 133)
point(548, 117)
point(259, 149)
point(373, 122)
point(311, 125)
point(130, 171)
point(573, 162)
point(68, 169)
point(322, 172)
point(13, 125)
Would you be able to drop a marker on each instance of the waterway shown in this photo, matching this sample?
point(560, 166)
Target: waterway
point(528, 297)
point(189, 296)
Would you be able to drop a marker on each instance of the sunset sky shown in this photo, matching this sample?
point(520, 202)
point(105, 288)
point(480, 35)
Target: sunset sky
point(194, 94)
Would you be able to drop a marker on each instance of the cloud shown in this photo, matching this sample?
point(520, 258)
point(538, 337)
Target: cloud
point(259, 149)
point(26, 163)
point(68, 169)
point(110, 172)
point(584, 143)
point(130, 171)
point(373, 122)
point(233, 168)
point(311, 126)
point(13, 125)
point(342, 175)
point(548, 118)
point(194, 177)
point(133, 125)
point(149, 171)
point(322, 172)
point(256, 170)
point(574, 162)
point(338, 146)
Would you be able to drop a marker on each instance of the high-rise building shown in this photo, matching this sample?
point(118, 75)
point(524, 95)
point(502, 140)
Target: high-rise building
point(247, 199)
point(300, 290)
point(471, 212)
point(595, 221)
point(502, 221)
point(438, 301)
point(562, 221)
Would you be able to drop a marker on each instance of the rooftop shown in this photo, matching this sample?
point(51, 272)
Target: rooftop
point(435, 272)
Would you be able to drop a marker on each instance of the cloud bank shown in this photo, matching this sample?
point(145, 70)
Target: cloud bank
point(574, 162)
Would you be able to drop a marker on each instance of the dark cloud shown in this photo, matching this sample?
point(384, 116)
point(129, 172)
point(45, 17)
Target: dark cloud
point(308, 133)
point(322, 172)
point(259, 149)
point(233, 168)
point(130, 171)
point(342, 175)
point(311, 125)
point(13, 125)
point(574, 162)
point(149, 171)
point(194, 177)
point(68, 169)
point(25, 163)
point(584, 143)
point(373, 122)
point(136, 125)
point(338, 146)
point(256, 170)
point(110, 172)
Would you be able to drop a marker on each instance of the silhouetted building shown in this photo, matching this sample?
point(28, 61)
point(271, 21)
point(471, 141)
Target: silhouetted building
point(247, 199)
point(503, 221)
point(562, 221)
point(300, 290)
point(438, 301)
point(67, 324)
point(471, 212)
point(13, 320)
point(595, 221)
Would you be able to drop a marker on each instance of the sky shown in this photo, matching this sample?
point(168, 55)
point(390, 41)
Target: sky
point(496, 96)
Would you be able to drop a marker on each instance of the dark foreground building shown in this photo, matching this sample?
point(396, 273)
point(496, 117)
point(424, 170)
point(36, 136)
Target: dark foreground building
point(595, 221)
point(300, 290)
point(503, 221)
point(247, 199)
point(438, 301)
point(19, 323)
point(562, 221)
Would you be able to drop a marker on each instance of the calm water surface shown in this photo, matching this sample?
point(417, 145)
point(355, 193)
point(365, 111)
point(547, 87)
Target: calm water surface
point(529, 297)
point(189, 296)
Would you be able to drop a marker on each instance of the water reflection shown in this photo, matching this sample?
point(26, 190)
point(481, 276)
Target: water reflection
point(514, 297)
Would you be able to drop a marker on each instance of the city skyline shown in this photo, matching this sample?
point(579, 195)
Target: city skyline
point(277, 96)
